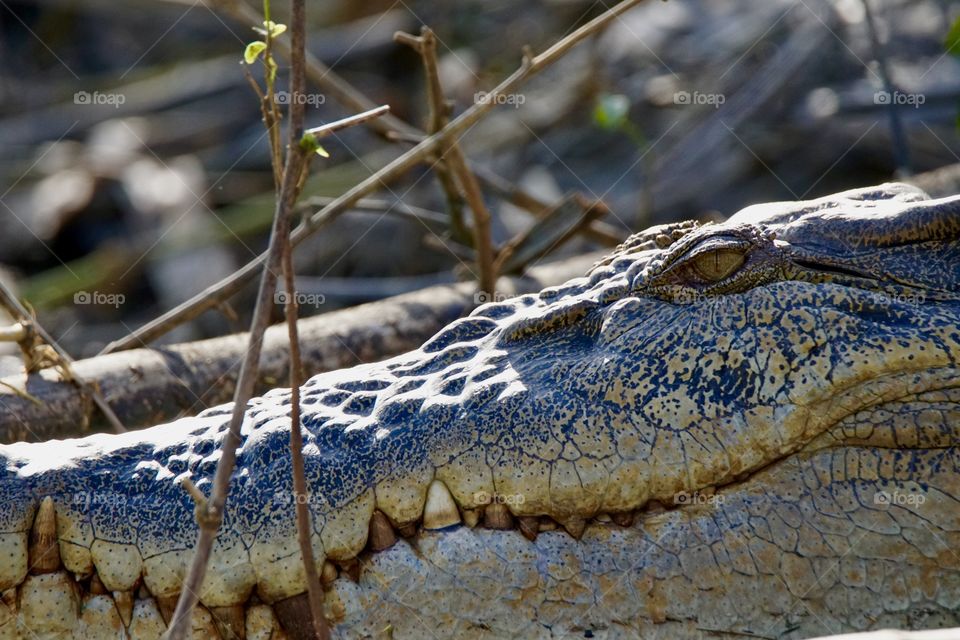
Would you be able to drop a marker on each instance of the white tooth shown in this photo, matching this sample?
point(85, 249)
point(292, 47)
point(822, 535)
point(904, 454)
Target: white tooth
point(261, 623)
point(119, 565)
point(49, 604)
point(146, 624)
point(99, 619)
point(13, 559)
point(440, 511)
point(44, 549)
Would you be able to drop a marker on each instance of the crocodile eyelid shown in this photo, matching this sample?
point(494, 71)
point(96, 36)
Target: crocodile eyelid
point(710, 261)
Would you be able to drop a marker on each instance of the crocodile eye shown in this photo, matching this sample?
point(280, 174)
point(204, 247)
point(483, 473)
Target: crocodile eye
point(715, 265)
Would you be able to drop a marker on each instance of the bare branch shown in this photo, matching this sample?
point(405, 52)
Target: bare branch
point(426, 46)
point(224, 289)
point(30, 328)
point(210, 513)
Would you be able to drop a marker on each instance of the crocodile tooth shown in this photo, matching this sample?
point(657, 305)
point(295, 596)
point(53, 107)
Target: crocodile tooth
point(623, 518)
point(44, 548)
point(574, 526)
point(408, 530)
point(294, 616)
point(146, 621)
point(471, 517)
point(529, 526)
point(96, 586)
point(381, 535)
point(124, 603)
point(99, 619)
point(440, 511)
point(262, 624)
point(230, 622)
point(13, 559)
point(654, 507)
point(603, 517)
point(497, 516)
point(49, 604)
point(329, 573)
point(8, 615)
point(203, 624)
point(351, 568)
point(167, 605)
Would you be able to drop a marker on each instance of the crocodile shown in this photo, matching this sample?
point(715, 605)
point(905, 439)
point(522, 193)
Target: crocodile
point(740, 429)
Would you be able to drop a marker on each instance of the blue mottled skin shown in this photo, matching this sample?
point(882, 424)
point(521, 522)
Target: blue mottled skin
point(703, 385)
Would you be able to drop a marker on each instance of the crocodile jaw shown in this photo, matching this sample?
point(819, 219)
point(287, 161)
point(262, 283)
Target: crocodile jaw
point(648, 410)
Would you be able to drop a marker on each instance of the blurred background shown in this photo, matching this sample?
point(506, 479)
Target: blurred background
point(135, 168)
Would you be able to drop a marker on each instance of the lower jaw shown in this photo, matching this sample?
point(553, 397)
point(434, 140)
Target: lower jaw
point(814, 545)
point(802, 548)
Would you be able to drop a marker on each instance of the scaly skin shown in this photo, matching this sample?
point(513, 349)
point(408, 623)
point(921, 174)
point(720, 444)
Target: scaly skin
point(743, 430)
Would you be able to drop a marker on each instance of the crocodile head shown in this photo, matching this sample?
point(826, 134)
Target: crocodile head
point(743, 428)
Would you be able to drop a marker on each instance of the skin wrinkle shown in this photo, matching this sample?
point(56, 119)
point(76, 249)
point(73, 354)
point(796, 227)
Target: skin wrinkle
point(594, 398)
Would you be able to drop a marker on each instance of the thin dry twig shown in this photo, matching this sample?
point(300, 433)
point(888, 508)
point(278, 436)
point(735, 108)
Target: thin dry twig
point(227, 287)
point(483, 245)
point(439, 116)
point(27, 327)
point(426, 46)
point(901, 152)
point(322, 75)
point(350, 121)
point(13, 333)
point(209, 512)
point(298, 160)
